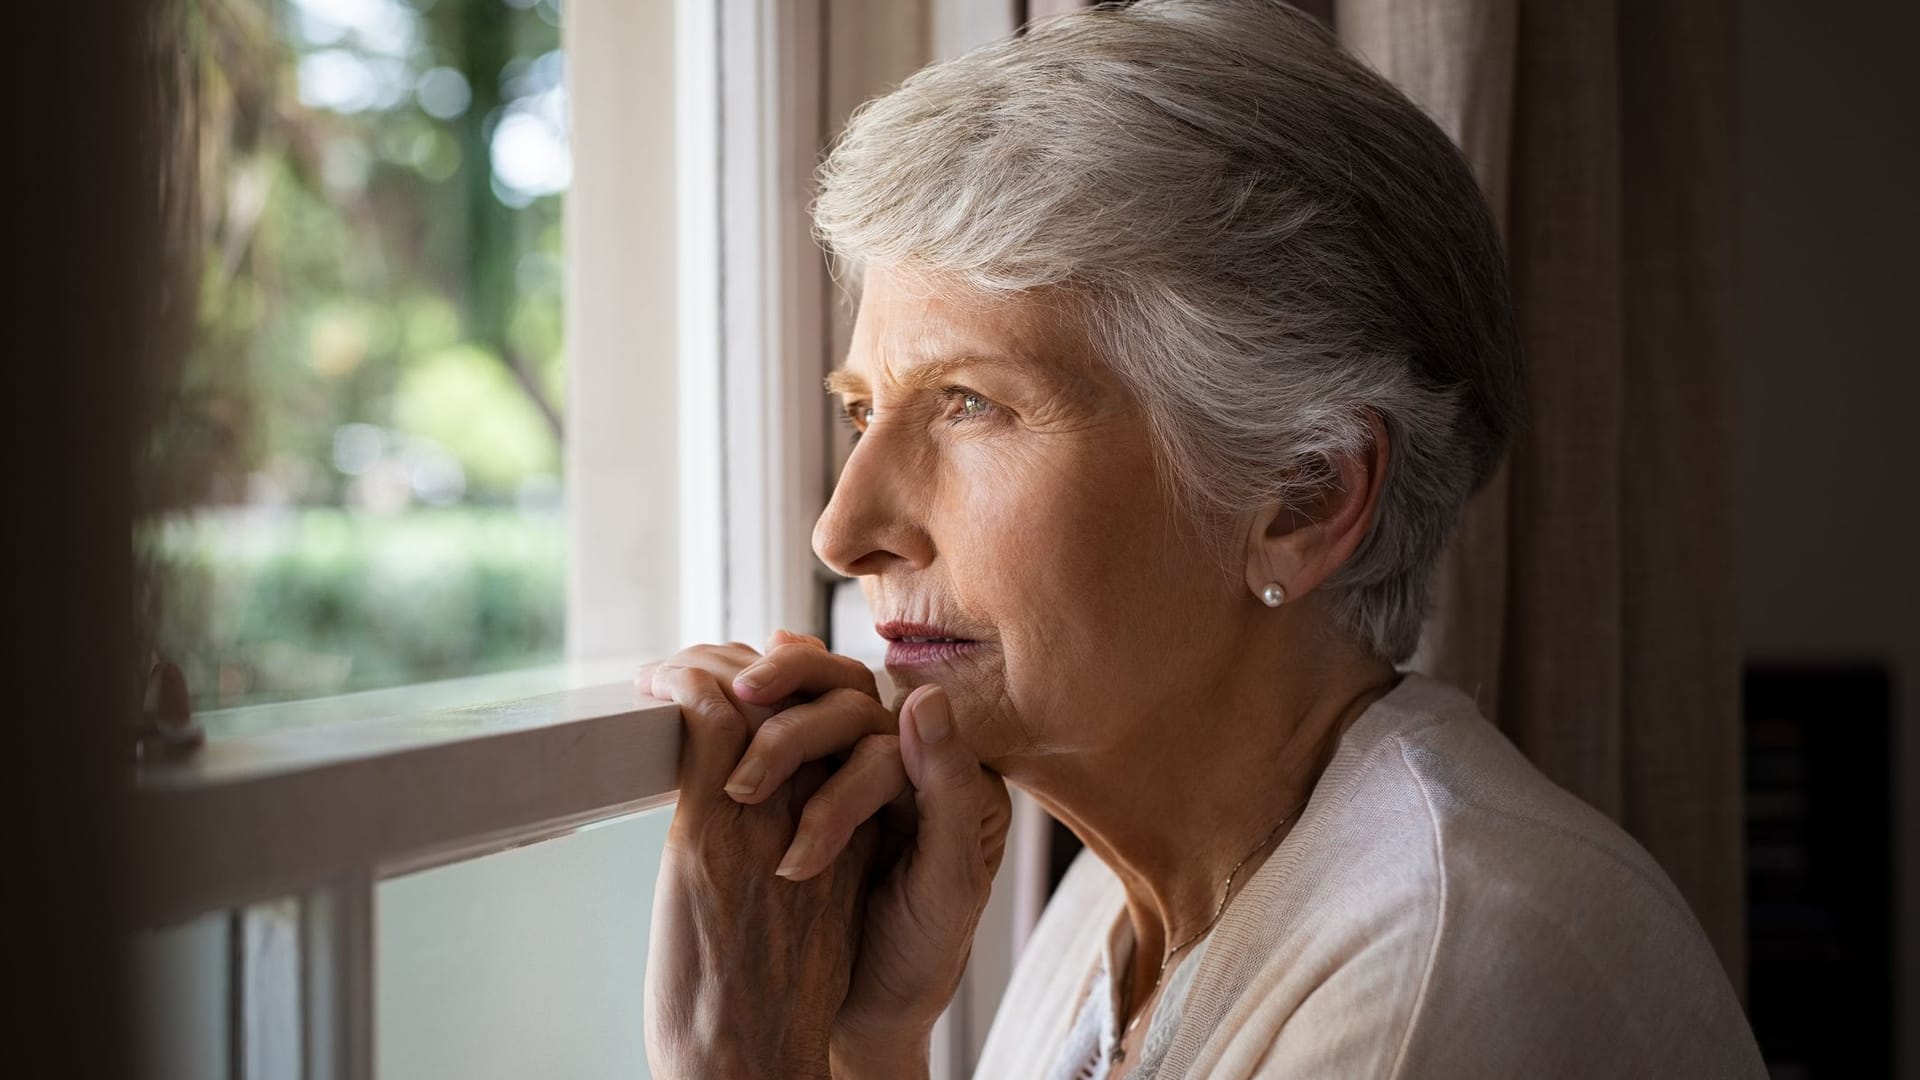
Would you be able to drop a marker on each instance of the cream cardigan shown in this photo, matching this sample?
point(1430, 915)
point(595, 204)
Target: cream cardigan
point(1441, 909)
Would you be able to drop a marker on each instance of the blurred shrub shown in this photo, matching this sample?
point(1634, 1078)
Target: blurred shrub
point(465, 400)
point(265, 605)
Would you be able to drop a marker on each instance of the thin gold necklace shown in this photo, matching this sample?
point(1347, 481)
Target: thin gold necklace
point(1117, 1052)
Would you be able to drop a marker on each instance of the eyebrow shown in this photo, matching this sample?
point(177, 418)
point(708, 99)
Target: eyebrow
point(925, 374)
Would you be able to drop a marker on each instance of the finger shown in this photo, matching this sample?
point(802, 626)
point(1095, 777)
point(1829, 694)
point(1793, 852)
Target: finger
point(829, 724)
point(643, 680)
point(872, 777)
point(715, 733)
point(783, 637)
point(801, 668)
point(949, 859)
point(722, 661)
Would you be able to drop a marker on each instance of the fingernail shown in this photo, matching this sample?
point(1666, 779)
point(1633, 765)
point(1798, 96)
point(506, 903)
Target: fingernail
point(756, 676)
point(930, 718)
point(797, 856)
point(746, 779)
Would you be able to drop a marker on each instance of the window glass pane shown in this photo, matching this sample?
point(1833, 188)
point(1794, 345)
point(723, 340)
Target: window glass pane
point(180, 987)
point(361, 473)
point(531, 962)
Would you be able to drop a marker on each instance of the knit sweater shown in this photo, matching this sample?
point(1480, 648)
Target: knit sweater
point(1440, 909)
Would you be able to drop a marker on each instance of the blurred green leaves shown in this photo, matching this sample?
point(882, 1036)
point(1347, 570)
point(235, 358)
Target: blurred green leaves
point(318, 601)
point(356, 483)
point(466, 401)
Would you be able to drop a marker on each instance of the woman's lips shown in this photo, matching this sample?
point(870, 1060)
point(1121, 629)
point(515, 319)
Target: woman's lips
point(920, 644)
point(911, 654)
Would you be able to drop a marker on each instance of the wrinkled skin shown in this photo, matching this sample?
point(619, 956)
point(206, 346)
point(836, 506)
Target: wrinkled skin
point(747, 970)
point(1005, 489)
point(908, 936)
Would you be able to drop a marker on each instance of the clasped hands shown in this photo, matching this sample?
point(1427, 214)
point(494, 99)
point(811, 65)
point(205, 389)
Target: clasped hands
point(826, 866)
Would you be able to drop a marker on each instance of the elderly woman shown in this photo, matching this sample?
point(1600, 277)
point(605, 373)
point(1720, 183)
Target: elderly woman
point(1182, 341)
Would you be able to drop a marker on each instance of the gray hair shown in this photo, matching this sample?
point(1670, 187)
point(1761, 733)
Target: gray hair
point(1262, 237)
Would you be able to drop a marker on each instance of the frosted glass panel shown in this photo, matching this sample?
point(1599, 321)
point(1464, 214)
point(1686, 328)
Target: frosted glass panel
point(527, 963)
point(180, 998)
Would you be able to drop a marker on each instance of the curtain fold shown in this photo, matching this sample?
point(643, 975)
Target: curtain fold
point(1588, 601)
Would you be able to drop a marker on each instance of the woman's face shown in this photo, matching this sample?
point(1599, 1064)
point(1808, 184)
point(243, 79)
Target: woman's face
point(1003, 491)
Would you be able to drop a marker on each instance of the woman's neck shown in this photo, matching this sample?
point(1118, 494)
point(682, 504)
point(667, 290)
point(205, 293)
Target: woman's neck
point(1173, 811)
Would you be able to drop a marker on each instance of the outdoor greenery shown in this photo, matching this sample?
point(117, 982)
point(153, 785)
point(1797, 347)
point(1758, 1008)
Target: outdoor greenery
point(297, 604)
point(360, 467)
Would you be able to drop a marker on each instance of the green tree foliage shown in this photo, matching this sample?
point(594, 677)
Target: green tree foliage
point(359, 471)
point(327, 600)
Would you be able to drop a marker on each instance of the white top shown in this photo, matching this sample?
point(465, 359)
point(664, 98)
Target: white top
point(1097, 1026)
point(1440, 909)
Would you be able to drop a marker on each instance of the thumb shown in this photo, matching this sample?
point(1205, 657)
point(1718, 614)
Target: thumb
point(947, 800)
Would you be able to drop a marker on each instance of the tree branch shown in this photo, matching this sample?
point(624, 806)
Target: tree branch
point(523, 374)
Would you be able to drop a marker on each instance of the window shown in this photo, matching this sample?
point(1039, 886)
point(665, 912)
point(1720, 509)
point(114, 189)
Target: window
point(363, 463)
point(379, 883)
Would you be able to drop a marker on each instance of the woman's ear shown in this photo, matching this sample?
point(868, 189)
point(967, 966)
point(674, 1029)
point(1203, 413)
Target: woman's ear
point(1300, 545)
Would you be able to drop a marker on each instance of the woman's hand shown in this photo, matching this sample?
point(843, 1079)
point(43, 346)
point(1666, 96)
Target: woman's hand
point(944, 825)
point(746, 971)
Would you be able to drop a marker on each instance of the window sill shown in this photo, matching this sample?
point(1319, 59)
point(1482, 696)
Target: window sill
point(256, 816)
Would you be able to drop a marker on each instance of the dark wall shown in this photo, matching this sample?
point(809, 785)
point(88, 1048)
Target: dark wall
point(79, 209)
point(1826, 292)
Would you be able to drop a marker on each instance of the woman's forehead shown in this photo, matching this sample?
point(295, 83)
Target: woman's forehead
point(909, 328)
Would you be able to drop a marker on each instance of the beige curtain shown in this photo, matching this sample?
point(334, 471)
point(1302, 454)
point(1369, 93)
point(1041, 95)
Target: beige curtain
point(1589, 601)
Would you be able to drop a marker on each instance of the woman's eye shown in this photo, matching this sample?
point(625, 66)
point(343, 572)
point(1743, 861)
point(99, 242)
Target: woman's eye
point(857, 415)
point(970, 404)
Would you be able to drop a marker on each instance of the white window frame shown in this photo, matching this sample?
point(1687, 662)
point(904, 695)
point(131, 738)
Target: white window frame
point(292, 830)
point(323, 813)
point(753, 297)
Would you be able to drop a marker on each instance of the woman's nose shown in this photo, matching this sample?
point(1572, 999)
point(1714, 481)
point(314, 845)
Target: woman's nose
point(869, 522)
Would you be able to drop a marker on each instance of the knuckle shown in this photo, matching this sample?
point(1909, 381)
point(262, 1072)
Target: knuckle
point(956, 771)
point(814, 655)
point(878, 716)
point(789, 652)
point(720, 845)
point(824, 816)
point(859, 676)
point(722, 717)
point(710, 656)
point(707, 704)
point(730, 727)
point(842, 698)
point(878, 756)
point(781, 735)
point(882, 747)
point(669, 681)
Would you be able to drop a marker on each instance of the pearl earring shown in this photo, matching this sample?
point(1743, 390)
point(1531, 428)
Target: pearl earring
point(1273, 595)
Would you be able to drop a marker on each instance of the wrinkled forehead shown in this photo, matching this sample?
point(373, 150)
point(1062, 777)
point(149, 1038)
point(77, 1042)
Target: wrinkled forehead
point(906, 319)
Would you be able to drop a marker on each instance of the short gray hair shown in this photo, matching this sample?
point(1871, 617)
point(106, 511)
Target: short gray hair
point(1263, 237)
